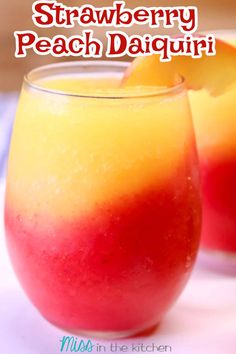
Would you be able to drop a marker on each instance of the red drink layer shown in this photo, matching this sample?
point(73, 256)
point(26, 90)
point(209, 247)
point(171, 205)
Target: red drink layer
point(118, 268)
point(219, 204)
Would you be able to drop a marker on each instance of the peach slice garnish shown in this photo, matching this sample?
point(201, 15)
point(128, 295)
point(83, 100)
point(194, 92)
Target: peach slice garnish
point(213, 73)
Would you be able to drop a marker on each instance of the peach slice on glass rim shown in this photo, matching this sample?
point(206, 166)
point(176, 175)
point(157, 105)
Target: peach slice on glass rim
point(213, 73)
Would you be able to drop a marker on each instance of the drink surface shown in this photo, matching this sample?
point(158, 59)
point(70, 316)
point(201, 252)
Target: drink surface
point(102, 203)
point(215, 126)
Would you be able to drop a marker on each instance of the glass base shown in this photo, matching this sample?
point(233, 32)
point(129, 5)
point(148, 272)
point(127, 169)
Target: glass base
point(105, 335)
point(220, 261)
point(90, 334)
point(117, 335)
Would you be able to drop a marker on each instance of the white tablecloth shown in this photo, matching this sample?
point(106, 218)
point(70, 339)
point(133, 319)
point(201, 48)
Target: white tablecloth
point(202, 322)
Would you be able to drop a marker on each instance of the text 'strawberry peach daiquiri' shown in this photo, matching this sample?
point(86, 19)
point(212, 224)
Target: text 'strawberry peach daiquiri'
point(212, 90)
point(102, 202)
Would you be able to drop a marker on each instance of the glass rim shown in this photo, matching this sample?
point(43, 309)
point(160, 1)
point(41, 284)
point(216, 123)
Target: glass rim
point(155, 91)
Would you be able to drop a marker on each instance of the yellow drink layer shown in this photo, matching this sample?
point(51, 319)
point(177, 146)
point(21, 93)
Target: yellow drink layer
point(215, 122)
point(82, 152)
point(215, 116)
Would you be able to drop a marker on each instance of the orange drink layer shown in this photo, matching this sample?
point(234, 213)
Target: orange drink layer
point(102, 202)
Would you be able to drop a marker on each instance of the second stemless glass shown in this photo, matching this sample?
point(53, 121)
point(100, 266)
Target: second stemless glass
point(102, 203)
point(215, 125)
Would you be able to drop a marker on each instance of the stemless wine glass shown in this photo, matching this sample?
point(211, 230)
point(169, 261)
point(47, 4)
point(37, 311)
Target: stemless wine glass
point(215, 124)
point(102, 207)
